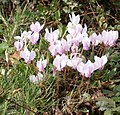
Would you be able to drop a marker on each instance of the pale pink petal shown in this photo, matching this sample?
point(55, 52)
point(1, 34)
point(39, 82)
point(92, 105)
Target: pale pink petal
point(36, 79)
point(44, 62)
point(94, 39)
point(23, 55)
point(56, 61)
point(69, 63)
point(36, 27)
point(17, 37)
point(34, 38)
point(80, 68)
point(18, 45)
point(51, 37)
point(54, 71)
point(86, 43)
point(86, 69)
point(32, 27)
point(32, 78)
point(76, 61)
point(74, 19)
point(100, 62)
point(104, 60)
point(53, 50)
point(27, 55)
point(40, 66)
point(32, 55)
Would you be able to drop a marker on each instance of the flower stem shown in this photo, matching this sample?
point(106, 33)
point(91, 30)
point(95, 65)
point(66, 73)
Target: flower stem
point(64, 77)
point(87, 85)
point(93, 48)
point(81, 84)
point(103, 51)
point(57, 83)
point(81, 53)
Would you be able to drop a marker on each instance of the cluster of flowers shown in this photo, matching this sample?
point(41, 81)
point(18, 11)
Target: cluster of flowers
point(78, 35)
point(86, 69)
point(21, 44)
point(65, 50)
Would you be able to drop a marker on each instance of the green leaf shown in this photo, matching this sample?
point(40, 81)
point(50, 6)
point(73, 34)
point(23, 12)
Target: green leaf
point(11, 50)
point(3, 46)
point(106, 91)
point(117, 98)
point(57, 15)
point(111, 111)
point(2, 55)
point(100, 23)
point(105, 25)
point(116, 109)
point(62, 30)
point(112, 73)
point(1, 29)
point(116, 89)
point(108, 112)
point(118, 27)
point(66, 9)
point(87, 17)
point(105, 103)
point(1, 100)
point(116, 2)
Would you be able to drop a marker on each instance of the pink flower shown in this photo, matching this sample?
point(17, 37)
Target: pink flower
point(34, 38)
point(73, 30)
point(24, 36)
point(74, 48)
point(84, 31)
point(22, 40)
point(65, 45)
point(94, 39)
point(53, 49)
point(74, 40)
point(18, 45)
point(86, 69)
point(100, 62)
point(27, 55)
point(109, 37)
point(74, 62)
point(36, 79)
point(41, 65)
point(74, 19)
point(62, 46)
point(51, 37)
point(86, 43)
point(36, 27)
point(60, 62)
point(74, 27)
point(59, 47)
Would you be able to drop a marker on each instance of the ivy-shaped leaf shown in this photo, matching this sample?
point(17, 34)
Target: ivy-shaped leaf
point(104, 103)
point(108, 112)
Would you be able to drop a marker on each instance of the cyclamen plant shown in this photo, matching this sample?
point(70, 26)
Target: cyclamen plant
point(77, 35)
point(66, 50)
point(22, 44)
